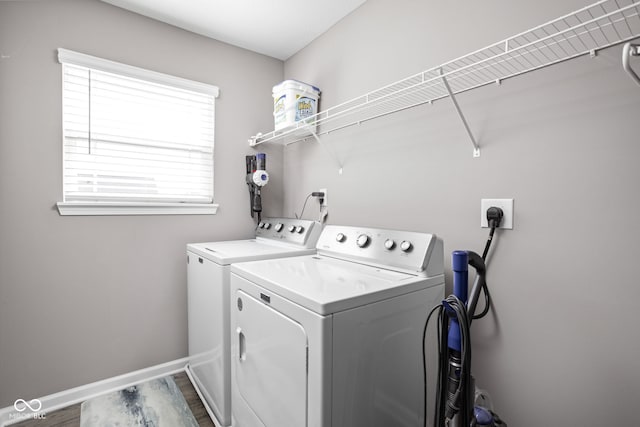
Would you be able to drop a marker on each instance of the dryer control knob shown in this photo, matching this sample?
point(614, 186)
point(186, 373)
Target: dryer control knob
point(340, 237)
point(267, 225)
point(406, 246)
point(292, 228)
point(278, 227)
point(299, 229)
point(261, 225)
point(363, 240)
point(389, 244)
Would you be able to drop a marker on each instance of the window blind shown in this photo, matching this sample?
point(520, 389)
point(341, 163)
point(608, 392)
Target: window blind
point(133, 135)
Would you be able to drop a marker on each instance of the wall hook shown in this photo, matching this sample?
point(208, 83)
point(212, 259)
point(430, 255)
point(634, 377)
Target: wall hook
point(629, 50)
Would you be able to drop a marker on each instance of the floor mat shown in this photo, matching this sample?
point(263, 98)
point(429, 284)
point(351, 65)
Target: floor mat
point(155, 403)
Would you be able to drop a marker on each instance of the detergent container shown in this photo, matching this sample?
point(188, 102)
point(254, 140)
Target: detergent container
point(295, 101)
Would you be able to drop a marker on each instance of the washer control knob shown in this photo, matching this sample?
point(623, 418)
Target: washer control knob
point(363, 240)
point(291, 228)
point(406, 246)
point(299, 229)
point(267, 225)
point(278, 227)
point(340, 237)
point(261, 225)
point(389, 244)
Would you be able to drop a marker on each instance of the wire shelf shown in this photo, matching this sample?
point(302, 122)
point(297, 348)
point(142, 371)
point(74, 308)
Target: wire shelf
point(585, 31)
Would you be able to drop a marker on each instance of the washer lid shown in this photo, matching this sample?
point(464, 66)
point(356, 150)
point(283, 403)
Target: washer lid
point(232, 251)
point(328, 285)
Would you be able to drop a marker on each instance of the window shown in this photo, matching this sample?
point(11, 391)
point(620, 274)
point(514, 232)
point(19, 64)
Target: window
point(134, 141)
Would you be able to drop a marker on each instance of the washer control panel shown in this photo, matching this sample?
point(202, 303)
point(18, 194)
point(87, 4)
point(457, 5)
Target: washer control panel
point(406, 250)
point(290, 230)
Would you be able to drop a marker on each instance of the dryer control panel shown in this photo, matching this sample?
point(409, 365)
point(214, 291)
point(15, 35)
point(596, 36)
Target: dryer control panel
point(404, 250)
point(290, 230)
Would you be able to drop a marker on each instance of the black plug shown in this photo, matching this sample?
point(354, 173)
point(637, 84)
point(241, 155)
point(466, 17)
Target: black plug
point(319, 195)
point(494, 216)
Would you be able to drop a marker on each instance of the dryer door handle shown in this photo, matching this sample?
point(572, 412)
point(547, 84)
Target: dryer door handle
point(242, 345)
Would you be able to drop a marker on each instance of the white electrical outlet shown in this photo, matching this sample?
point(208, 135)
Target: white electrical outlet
point(324, 199)
point(507, 209)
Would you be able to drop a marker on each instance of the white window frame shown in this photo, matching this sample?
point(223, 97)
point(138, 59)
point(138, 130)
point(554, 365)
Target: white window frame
point(133, 208)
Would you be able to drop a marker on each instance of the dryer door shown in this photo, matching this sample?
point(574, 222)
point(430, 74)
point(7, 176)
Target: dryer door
point(271, 365)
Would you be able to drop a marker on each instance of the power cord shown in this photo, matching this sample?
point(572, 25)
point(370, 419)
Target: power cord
point(439, 309)
point(494, 218)
point(447, 408)
point(463, 364)
point(318, 194)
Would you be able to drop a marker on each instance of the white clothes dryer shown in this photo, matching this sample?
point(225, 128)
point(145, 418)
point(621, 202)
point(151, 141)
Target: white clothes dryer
point(208, 277)
point(335, 339)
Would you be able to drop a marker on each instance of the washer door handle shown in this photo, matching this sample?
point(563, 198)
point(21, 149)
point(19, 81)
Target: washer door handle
point(242, 345)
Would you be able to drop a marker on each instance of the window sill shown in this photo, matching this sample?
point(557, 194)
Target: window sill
point(119, 208)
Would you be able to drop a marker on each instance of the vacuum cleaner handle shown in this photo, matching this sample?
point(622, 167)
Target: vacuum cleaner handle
point(478, 264)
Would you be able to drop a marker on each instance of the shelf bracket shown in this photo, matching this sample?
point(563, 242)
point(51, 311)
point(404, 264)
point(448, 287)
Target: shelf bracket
point(476, 148)
point(333, 156)
point(254, 140)
point(629, 50)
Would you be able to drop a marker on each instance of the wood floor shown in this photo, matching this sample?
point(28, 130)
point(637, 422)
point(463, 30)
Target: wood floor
point(70, 416)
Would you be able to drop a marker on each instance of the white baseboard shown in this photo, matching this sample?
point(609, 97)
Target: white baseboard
point(60, 400)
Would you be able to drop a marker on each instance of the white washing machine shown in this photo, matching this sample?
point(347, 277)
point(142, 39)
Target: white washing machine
point(335, 339)
point(208, 298)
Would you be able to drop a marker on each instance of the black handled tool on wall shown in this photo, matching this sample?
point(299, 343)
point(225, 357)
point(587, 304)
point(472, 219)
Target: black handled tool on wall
point(256, 178)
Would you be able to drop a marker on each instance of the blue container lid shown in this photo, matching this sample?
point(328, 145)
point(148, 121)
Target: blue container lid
point(483, 416)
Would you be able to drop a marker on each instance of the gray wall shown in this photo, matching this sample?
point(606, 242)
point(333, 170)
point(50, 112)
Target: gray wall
point(561, 345)
point(86, 298)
